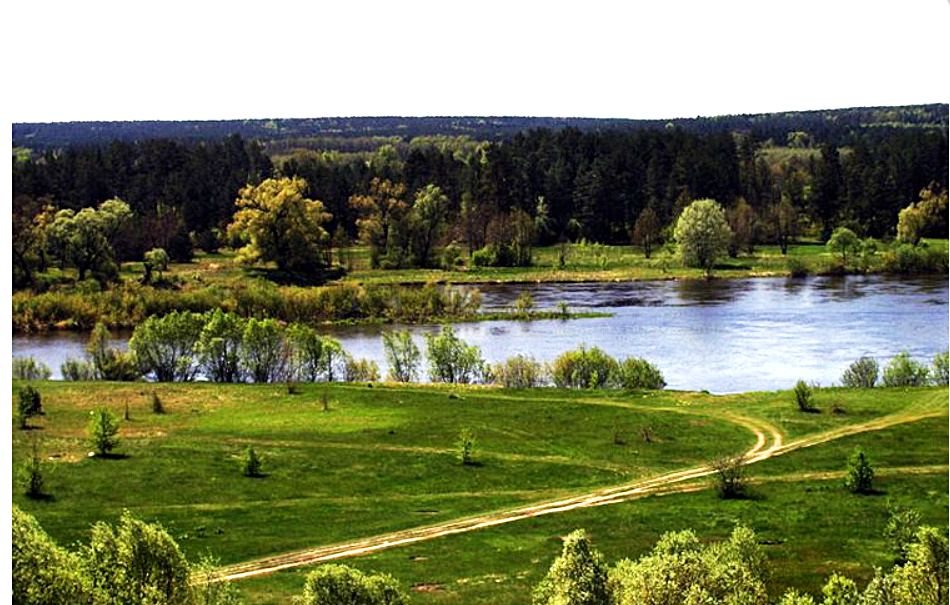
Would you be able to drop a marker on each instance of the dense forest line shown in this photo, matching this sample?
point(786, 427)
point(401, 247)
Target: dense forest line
point(835, 126)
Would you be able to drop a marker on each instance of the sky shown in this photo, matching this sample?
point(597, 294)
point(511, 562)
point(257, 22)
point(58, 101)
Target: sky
point(197, 59)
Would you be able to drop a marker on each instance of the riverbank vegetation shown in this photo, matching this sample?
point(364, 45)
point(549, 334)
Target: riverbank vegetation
point(385, 458)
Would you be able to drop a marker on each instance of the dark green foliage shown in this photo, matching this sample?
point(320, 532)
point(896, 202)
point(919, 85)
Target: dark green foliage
point(577, 577)
point(251, 463)
point(862, 374)
point(803, 397)
point(31, 475)
point(102, 431)
point(860, 474)
point(903, 371)
point(333, 584)
point(29, 404)
point(637, 373)
point(584, 368)
point(156, 403)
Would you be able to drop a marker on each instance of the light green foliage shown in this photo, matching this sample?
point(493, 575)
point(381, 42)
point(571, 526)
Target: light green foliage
point(402, 356)
point(803, 396)
point(915, 218)
point(29, 404)
point(359, 370)
point(28, 368)
point(519, 372)
point(901, 530)
point(793, 597)
point(43, 573)
point(840, 590)
point(902, 371)
point(85, 239)
point(862, 374)
point(524, 303)
point(844, 243)
point(341, 585)
point(584, 368)
point(208, 587)
point(451, 360)
point(680, 569)
point(940, 373)
point(109, 363)
point(155, 259)
point(702, 234)
point(77, 369)
point(102, 430)
point(637, 373)
point(426, 223)
point(251, 463)
point(165, 345)
point(279, 224)
point(577, 577)
point(135, 562)
point(219, 346)
point(465, 447)
point(860, 474)
point(264, 350)
point(921, 581)
point(382, 216)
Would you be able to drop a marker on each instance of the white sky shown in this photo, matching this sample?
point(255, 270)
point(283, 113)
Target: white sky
point(198, 59)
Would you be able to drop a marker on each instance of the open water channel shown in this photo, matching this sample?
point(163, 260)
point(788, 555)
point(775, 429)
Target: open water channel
point(723, 336)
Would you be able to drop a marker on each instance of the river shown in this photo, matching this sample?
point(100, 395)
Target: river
point(723, 336)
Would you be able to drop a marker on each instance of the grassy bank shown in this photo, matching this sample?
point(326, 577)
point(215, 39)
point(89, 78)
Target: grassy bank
point(383, 459)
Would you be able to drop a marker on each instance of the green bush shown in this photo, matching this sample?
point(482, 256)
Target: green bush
point(77, 369)
point(251, 463)
point(102, 431)
point(402, 355)
point(902, 371)
point(29, 404)
point(31, 475)
point(862, 374)
point(28, 368)
point(584, 368)
point(860, 473)
point(519, 372)
point(360, 370)
point(333, 584)
point(908, 259)
point(578, 576)
point(940, 373)
point(637, 373)
point(803, 396)
point(465, 447)
point(451, 360)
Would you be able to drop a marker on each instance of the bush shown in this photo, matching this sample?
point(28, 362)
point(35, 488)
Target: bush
point(28, 368)
point(29, 404)
point(900, 531)
point(102, 430)
point(940, 374)
point(451, 360)
point(43, 572)
point(730, 477)
point(902, 371)
point(465, 447)
point(519, 372)
point(524, 303)
point(77, 369)
point(908, 259)
point(796, 267)
point(108, 362)
point(637, 373)
point(803, 395)
point(165, 345)
point(31, 475)
point(578, 576)
point(860, 473)
point(451, 257)
point(862, 374)
point(402, 356)
point(156, 404)
point(360, 370)
point(584, 368)
point(251, 463)
point(341, 585)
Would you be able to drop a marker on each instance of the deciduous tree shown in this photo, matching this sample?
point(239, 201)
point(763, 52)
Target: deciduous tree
point(702, 234)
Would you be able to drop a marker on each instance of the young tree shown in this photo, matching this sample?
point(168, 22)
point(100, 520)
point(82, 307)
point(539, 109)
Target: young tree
point(154, 260)
point(730, 476)
point(382, 213)
point(702, 234)
point(860, 473)
point(264, 350)
point(901, 530)
point(465, 447)
point(646, 231)
point(402, 356)
point(744, 223)
point(251, 463)
point(578, 576)
point(29, 404)
point(341, 585)
point(782, 223)
point(903, 371)
point(102, 430)
point(584, 368)
point(862, 374)
point(427, 221)
point(279, 224)
point(803, 396)
point(219, 346)
point(28, 368)
point(940, 372)
point(108, 362)
point(845, 244)
point(165, 345)
point(451, 359)
point(519, 372)
point(31, 474)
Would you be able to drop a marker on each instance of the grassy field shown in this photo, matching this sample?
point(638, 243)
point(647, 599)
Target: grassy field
point(383, 459)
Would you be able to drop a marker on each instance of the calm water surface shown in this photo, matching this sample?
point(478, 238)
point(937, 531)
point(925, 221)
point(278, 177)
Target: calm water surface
point(722, 336)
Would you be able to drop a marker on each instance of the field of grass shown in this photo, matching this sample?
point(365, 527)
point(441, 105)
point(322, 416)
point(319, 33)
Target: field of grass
point(383, 459)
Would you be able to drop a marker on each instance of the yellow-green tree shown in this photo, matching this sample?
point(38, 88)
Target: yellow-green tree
point(277, 223)
point(382, 214)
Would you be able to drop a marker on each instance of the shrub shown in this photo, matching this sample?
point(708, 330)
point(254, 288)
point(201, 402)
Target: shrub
point(519, 372)
point(31, 475)
point(165, 345)
point(796, 267)
point(940, 374)
point(29, 404)
point(637, 373)
point(156, 404)
point(844, 243)
point(483, 257)
point(902, 371)
point(524, 303)
point(402, 356)
point(451, 360)
point(251, 463)
point(803, 396)
point(900, 531)
point(860, 473)
point(465, 447)
point(264, 350)
point(578, 576)
point(908, 259)
point(77, 369)
point(219, 346)
point(451, 257)
point(28, 368)
point(102, 430)
point(360, 370)
point(341, 585)
point(42, 571)
point(730, 476)
point(108, 362)
point(862, 374)
point(584, 368)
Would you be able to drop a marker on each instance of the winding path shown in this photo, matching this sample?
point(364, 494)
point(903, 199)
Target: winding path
point(769, 443)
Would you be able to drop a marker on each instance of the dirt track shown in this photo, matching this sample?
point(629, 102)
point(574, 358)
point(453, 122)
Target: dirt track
point(769, 443)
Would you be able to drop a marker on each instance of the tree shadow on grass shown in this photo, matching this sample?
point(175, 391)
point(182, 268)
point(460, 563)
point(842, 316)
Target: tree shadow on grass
point(111, 456)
